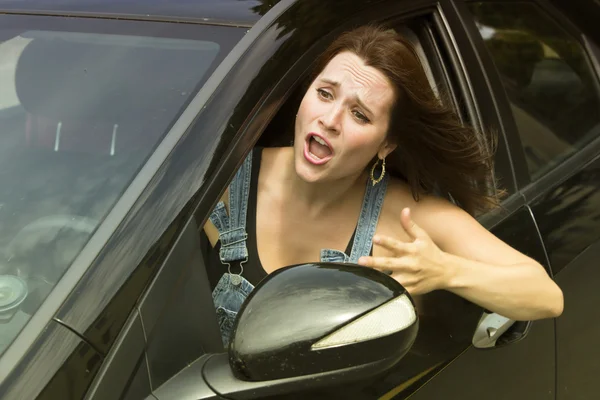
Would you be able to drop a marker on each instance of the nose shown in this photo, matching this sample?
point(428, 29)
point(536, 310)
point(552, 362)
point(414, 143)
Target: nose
point(331, 119)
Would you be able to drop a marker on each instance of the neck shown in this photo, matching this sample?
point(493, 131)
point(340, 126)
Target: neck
point(318, 198)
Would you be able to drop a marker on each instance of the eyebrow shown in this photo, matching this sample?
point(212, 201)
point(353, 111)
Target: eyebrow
point(355, 97)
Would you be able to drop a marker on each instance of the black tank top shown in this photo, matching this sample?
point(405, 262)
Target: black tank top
point(253, 269)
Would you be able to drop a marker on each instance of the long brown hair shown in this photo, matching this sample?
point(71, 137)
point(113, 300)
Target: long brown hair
point(435, 151)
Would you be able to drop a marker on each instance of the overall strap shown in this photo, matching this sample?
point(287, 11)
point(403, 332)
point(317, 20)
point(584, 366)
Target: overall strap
point(367, 222)
point(232, 227)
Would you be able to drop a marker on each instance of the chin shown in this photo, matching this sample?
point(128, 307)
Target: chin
point(305, 172)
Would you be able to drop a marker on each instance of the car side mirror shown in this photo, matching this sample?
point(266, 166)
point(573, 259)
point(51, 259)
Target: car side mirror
point(314, 318)
point(306, 327)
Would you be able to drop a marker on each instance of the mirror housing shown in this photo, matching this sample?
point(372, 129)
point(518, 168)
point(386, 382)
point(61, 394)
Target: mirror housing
point(318, 318)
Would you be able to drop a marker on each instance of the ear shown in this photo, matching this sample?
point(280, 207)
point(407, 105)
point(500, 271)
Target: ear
point(386, 148)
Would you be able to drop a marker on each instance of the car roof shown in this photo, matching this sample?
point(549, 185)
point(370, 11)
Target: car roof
point(230, 12)
point(223, 12)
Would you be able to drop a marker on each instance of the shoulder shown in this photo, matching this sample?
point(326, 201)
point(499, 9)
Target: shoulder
point(433, 213)
point(399, 196)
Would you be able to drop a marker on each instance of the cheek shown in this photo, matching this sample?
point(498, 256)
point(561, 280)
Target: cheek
point(360, 148)
point(311, 107)
point(363, 140)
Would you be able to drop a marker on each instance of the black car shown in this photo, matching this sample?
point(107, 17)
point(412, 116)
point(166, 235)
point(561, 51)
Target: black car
point(122, 122)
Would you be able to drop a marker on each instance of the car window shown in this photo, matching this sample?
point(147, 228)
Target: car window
point(80, 112)
point(548, 78)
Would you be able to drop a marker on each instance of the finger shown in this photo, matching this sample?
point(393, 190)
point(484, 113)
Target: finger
point(395, 245)
point(409, 283)
point(386, 263)
point(381, 263)
point(413, 230)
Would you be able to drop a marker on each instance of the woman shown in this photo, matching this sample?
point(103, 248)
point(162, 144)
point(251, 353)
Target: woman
point(372, 145)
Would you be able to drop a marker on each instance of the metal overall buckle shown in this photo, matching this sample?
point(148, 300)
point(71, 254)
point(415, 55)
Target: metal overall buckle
point(236, 279)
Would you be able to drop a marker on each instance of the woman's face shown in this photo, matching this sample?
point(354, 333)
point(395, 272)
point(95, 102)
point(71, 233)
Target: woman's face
point(343, 120)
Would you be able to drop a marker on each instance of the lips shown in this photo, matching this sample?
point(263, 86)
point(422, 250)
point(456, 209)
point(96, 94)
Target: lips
point(317, 149)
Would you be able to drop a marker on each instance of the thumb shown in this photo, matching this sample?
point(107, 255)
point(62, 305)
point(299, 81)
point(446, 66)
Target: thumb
point(413, 230)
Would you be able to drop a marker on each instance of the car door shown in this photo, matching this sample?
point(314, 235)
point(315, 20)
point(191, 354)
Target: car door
point(557, 115)
point(549, 103)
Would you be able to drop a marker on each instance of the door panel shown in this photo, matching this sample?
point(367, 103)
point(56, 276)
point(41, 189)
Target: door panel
point(523, 370)
point(139, 382)
point(178, 313)
point(568, 216)
point(578, 328)
point(124, 373)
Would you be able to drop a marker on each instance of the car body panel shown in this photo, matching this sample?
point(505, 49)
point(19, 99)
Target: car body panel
point(177, 311)
point(523, 370)
point(131, 377)
point(234, 12)
point(578, 328)
point(568, 216)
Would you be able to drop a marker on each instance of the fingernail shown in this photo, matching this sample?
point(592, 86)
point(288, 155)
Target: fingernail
point(376, 239)
point(362, 260)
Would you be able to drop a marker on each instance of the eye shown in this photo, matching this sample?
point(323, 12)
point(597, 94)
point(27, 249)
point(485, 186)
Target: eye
point(324, 94)
point(360, 116)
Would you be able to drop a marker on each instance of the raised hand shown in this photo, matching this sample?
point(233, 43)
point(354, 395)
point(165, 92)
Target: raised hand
point(417, 264)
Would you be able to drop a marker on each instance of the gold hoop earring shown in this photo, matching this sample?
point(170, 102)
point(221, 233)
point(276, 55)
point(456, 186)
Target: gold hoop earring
point(374, 180)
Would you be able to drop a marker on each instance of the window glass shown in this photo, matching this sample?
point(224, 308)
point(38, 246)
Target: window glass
point(548, 78)
point(80, 112)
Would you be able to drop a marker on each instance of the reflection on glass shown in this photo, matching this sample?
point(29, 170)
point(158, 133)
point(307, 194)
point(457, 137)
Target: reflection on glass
point(79, 115)
point(547, 77)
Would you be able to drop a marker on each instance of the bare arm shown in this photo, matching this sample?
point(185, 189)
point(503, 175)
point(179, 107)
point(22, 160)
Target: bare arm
point(487, 271)
point(443, 247)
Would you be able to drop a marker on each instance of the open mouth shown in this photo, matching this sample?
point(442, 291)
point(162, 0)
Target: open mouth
point(317, 150)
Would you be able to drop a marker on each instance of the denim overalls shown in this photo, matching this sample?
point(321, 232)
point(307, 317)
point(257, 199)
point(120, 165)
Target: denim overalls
point(232, 289)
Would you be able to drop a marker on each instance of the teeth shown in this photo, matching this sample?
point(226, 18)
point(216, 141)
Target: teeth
point(320, 141)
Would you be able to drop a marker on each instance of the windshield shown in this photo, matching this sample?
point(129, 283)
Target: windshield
point(80, 112)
